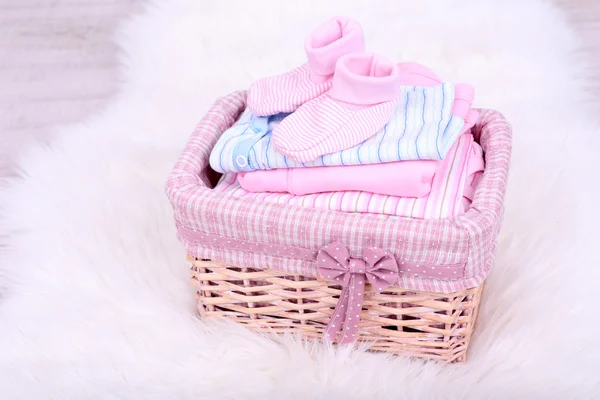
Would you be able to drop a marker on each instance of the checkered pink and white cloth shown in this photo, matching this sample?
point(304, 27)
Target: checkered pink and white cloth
point(443, 255)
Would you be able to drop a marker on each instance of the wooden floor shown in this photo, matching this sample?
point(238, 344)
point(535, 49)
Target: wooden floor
point(57, 65)
point(57, 62)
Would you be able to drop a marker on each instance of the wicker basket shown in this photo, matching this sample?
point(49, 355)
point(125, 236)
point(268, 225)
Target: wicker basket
point(265, 271)
point(419, 324)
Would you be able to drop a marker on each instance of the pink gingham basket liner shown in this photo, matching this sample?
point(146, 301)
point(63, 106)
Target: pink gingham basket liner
point(247, 232)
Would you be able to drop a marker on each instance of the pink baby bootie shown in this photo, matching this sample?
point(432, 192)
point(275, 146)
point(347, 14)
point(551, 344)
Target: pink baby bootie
point(324, 46)
point(363, 95)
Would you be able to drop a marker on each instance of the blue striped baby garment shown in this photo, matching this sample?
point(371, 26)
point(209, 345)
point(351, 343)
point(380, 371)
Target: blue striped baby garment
point(421, 128)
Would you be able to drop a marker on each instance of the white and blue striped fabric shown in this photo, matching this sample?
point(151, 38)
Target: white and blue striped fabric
point(422, 128)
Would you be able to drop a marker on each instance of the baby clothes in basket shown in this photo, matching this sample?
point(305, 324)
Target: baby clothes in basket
point(422, 127)
point(450, 195)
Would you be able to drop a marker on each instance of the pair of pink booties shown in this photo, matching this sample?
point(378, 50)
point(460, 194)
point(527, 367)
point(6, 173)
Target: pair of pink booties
point(341, 96)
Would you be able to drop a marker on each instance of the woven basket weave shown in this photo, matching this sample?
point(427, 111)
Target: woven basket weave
point(419, 324)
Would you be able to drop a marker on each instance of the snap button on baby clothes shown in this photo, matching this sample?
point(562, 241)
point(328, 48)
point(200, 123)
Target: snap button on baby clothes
point(241, 161)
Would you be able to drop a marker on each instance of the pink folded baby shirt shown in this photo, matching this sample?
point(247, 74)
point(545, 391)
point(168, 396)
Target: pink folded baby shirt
point(451, 182)
point(402, 178)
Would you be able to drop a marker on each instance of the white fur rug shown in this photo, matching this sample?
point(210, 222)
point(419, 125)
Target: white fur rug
point(95, 299)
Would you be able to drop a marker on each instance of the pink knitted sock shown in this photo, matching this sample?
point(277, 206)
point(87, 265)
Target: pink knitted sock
point(363, 95)
point(324, 46)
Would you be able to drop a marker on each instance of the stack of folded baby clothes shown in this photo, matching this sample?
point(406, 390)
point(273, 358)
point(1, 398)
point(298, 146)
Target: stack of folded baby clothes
point(351, 131)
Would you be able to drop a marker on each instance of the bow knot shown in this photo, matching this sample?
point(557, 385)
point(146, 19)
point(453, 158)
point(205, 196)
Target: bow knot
point(377, 267)
point(357, 266)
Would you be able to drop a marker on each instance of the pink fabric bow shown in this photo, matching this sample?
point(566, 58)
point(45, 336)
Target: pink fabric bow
point(376, 266)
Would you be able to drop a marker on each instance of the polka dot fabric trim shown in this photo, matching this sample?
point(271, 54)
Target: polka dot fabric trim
point(405, 268)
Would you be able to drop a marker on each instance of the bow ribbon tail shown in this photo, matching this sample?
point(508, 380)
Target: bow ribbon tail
point(356, 292)
point(338, 317)
point(347, 311)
